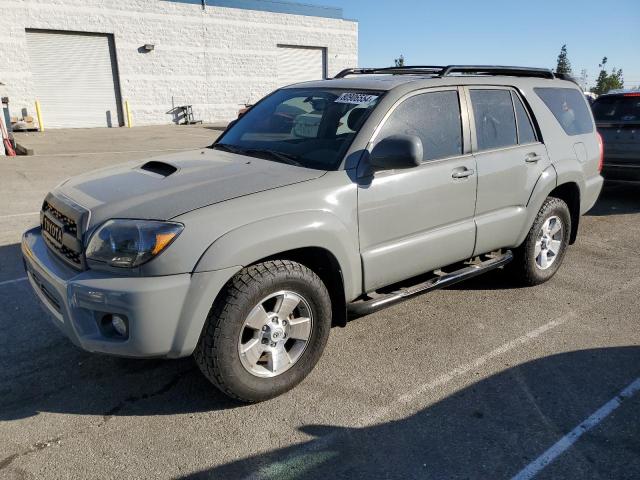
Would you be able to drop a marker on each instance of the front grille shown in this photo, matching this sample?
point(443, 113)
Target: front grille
point(70, 219)
point(70, 225)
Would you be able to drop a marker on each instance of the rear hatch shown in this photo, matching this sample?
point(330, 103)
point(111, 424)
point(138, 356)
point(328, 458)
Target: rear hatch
point(618, 121)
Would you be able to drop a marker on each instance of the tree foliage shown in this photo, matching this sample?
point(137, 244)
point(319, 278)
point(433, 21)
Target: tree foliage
point(564, 65)
point(399, 61)
point(608, 81)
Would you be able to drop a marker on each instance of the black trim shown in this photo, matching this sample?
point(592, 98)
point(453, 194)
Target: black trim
point(451, 70)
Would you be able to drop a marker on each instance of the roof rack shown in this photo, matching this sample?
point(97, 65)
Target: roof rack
point(451, 70)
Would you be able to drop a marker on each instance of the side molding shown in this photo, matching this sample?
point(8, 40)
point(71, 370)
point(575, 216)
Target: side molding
point(547, 181)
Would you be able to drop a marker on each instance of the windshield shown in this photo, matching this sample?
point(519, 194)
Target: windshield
point(617, 108)
point(308, 127)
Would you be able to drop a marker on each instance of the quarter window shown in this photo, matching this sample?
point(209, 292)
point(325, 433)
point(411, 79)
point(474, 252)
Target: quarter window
point(526, 133)
point(494, 118)
point(569, 107)
point(434, 118)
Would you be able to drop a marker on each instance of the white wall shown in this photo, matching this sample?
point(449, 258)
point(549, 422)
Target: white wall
point(214, 59)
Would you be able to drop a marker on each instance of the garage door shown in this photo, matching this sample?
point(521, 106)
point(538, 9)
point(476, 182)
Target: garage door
point(300, 64)
point(74, 80)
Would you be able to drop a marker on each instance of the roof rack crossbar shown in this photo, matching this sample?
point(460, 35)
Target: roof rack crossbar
point(442, 71)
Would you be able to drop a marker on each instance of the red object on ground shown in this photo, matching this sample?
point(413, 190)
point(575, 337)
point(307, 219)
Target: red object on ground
point(7, 145)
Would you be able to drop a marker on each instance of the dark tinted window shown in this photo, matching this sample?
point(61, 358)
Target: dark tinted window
point(435, 118)
point(617, 108)
point(526, 133)
point(569, 107)
point(495, 121)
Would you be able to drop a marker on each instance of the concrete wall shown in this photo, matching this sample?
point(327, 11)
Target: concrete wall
point(214, 59)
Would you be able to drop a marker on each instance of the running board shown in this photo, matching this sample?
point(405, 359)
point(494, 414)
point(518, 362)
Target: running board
point(366, 307)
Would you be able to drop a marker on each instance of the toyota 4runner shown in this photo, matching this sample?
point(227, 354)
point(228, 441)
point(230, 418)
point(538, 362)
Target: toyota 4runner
point(325, 199)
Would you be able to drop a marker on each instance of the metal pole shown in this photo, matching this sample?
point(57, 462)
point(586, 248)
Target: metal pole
point(39, 115)
point(126, 107)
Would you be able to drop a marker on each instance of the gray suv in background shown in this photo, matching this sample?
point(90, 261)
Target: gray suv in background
point(325, 199)
point(617, 116)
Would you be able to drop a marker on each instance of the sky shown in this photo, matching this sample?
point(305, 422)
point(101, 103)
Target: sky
point(516, 32)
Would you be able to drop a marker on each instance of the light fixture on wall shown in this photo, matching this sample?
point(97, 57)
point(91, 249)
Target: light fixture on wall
point(148, 47)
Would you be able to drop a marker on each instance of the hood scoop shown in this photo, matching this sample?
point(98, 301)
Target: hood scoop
point(159, 168)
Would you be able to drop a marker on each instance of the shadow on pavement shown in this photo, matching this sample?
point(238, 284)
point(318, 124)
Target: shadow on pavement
point(491, 429)
point(617, 199)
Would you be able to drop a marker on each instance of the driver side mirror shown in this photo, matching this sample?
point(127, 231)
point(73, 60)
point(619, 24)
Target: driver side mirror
point(397, 151)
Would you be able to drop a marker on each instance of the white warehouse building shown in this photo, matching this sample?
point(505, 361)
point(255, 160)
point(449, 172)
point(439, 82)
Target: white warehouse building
point(83, 59)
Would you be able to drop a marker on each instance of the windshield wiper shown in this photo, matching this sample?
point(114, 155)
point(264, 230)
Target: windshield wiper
point(228, 148)
point(278, 156)
point(258, 152)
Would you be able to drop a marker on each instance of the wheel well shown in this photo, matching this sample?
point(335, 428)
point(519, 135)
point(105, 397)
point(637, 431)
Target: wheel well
point(326, 266)
point(570, 194)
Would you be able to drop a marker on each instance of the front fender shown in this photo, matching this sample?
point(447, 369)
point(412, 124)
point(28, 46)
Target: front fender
point(268, 237)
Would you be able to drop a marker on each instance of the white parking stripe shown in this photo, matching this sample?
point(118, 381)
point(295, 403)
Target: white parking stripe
point(9, 282)
point(2, 217)
point(572, 437)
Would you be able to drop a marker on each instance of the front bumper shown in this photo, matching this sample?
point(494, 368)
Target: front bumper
point(165, 314)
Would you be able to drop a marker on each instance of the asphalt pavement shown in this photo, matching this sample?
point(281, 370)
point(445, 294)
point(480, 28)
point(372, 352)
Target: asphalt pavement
point(479, 381)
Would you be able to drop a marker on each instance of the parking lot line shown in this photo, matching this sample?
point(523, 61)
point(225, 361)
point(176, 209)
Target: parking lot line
point(572, 437)
point(9, 282)
point(2, 217)
point(74, 154)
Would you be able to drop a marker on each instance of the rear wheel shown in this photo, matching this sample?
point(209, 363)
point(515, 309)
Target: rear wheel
point(266, 332)
point(540, 256)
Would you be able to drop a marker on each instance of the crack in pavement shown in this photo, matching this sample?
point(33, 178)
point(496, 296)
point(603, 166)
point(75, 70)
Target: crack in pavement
point(39, 446)
point(36, 447)
point(136, 398)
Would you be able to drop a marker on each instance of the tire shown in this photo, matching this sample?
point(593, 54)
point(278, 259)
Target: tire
point(528, 266)
point(233, 326)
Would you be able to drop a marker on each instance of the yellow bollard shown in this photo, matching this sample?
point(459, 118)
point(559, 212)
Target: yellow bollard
point(126, 107)
point(39, 115)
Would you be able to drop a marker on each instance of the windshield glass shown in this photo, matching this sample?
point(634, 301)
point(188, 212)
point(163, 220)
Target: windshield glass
point(617, 108)
point(309, 127)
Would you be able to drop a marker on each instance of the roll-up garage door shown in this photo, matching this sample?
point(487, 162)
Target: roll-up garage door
point(74, 79)
point(300, 64)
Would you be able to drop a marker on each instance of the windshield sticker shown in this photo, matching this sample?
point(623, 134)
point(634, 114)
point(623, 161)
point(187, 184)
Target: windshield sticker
point(356, 98)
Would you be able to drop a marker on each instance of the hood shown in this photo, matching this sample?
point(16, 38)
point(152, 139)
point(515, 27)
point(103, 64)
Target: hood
point(165, 187)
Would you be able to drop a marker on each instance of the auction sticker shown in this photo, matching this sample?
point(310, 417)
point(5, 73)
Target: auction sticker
point(356, 98)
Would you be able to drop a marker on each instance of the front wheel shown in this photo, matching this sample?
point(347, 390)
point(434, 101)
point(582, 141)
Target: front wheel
point(266, 331)
point(541, 254)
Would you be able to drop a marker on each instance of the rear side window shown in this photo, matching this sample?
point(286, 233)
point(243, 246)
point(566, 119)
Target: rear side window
point(617, 108)
point(526, 133)
point(435, 118)
point(494, 118)
point(569, 107)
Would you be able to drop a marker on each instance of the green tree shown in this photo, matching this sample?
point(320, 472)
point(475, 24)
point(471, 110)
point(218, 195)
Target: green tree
point(564, 65)
point(399, 61)
point(608, 81)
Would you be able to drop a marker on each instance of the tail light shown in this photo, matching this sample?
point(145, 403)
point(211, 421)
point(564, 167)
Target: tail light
point(601, 146)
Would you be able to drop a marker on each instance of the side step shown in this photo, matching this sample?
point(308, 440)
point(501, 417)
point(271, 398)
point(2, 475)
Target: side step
point(366, 307)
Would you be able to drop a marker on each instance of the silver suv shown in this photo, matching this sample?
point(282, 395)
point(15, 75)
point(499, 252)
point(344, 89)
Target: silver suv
point(326, 199)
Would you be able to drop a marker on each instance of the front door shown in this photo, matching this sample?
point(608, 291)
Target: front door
point(415, 220)
point(510, 159)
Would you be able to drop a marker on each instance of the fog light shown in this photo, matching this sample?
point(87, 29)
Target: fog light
point(119, 325)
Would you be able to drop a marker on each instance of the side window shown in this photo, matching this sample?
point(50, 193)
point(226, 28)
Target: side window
point(526, 133)
point(494, 118)
point(435, 118)
point(569, 107)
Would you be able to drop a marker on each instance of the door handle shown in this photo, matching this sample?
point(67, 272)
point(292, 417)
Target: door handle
point(462, 172)
point(532, 158)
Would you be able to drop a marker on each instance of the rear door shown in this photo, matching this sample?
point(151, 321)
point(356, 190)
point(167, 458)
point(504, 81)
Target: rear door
point(510, 159)
point(618, 121)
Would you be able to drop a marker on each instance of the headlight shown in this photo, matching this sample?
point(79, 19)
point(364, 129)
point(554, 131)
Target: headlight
point(129, 243)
